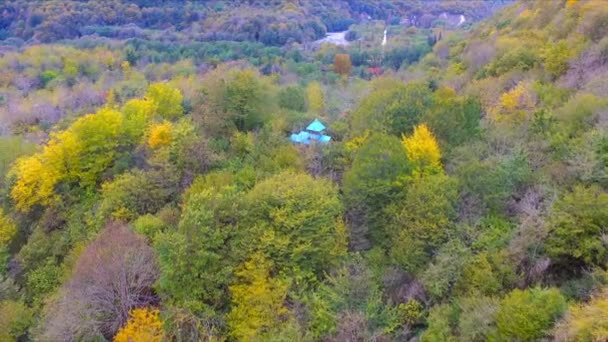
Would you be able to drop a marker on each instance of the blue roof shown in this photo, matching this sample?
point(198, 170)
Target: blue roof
point(307, 138)
point(316, 126)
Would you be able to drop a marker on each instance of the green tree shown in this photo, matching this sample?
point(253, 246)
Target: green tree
point(197, 261)
point(296, 222)
point(392, 107)
point(577, 225)
point(422, 220)
point(246, 99)
point(556, 57)
point(293, 98)
point(15, 320)
point(455, 120)
point(440, 324)
point(166, 99)
point(137, 193)
point(374, 181)
point(528, 315)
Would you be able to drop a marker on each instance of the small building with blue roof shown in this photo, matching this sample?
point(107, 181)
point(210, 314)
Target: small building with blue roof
point(315, 132)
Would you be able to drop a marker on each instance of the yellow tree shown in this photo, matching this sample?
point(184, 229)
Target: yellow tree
point(316, 98)
point(257, 300)
point(423, 151)
point(78, 155)
point(160, 135)
point(144, 325)
point(35, 182)
point(588, 322)
point(514, 105)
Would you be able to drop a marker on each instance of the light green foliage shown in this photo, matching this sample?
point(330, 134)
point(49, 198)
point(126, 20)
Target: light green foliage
point(149, 225)
point(520, 58)
point(42, 281)
point(12, 148)
point(96, 141)
point(528, 315)
point(440, 323)
point(422, 220)
point(137, 113)
point(167, 100)
point(491, 233)
point(578, 112)
point(551, 95)
point(42, 246)
point(315, 97)
point(478, 277)
point(15, 320)
point(556, 58)
point(477, 318)
point(577, 226)
point(47, 76)
point(295, 221)
point(186, 154)
point(447, 267)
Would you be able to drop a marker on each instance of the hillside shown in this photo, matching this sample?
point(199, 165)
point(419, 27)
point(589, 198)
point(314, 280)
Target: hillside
point(203, 171)
point(270, 22)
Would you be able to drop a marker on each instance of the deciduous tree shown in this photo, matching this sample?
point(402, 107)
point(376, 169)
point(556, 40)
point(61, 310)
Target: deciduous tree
point(144, 325)
point(113, 275)
point(258, 300)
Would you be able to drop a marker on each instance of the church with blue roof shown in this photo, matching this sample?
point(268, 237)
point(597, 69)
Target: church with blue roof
point(315, 132)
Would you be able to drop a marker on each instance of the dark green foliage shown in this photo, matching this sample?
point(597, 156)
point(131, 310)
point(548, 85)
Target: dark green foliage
point(351, 290)
point(454, 120)
point(293, 98)
point(196, 264)
point(492, 182)
point(137, 193)
point(374, 181)
point(393, 107)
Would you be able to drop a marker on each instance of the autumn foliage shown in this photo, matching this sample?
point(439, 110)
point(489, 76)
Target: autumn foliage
point(113, 275)
point(144, 325)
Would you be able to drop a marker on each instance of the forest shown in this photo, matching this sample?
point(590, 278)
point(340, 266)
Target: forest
point(150, 190)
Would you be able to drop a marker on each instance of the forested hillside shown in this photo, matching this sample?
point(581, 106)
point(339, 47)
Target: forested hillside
point(272, 22)
point(150, 190)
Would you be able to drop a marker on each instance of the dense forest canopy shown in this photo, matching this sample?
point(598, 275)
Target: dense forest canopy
point(149, 189)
